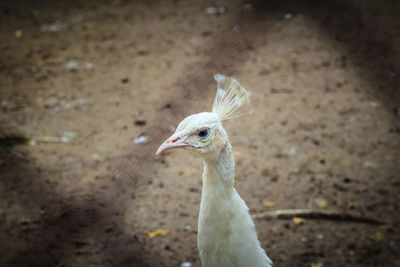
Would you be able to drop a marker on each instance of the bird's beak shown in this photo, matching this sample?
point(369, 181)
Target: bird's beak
point(177, 140)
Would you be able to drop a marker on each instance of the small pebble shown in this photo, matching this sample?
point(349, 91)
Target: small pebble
point(186, 264)
point(32, 142)
point(320, 236)
point(235, 29)
point(303, 239)
point(288, 16)
point(72, 65)
point(140, 140)
point(215, 10)
point(55, 27)
point(89, 65)
point(211, 10)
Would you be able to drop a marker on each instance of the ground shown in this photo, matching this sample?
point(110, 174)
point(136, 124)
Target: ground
point(81, 80)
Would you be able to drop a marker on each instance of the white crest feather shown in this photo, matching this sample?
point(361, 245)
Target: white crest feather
point(232, 100)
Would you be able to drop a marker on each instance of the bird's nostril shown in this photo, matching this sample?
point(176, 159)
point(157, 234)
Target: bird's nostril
point(176, 139)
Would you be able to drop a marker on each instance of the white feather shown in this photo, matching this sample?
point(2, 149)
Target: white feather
point(226, 232)
point(232, 99)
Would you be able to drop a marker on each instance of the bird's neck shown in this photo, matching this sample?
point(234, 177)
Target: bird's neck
point(219, 172)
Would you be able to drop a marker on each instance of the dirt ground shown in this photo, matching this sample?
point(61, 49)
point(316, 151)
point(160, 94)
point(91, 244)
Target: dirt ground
point(81, 80)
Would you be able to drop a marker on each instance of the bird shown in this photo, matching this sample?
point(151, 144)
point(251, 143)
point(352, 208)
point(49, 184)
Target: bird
point(226, 232)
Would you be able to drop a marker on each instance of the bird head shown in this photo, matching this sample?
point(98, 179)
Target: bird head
point(203, 133)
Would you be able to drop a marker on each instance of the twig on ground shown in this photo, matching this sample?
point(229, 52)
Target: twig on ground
point(315, 214)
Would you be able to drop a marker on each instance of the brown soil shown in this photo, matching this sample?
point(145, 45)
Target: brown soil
point(101, 73)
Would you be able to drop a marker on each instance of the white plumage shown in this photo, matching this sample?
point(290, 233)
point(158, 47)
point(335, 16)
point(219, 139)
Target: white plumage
point(231, 100)
point(226, 232)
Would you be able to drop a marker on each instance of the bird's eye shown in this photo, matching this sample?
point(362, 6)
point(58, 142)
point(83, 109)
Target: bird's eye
point(203, 133)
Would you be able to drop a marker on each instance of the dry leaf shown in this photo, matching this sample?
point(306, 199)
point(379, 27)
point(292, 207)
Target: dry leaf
point(369, 164)
point(18, 34)
point(320, 176)
point(321, 203)
point(378, 236)
point(158, 232)
point(269, 204)
point(317, 264)
point(298, 220)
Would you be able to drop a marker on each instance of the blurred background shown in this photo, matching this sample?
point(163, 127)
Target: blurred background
point(90, 89)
